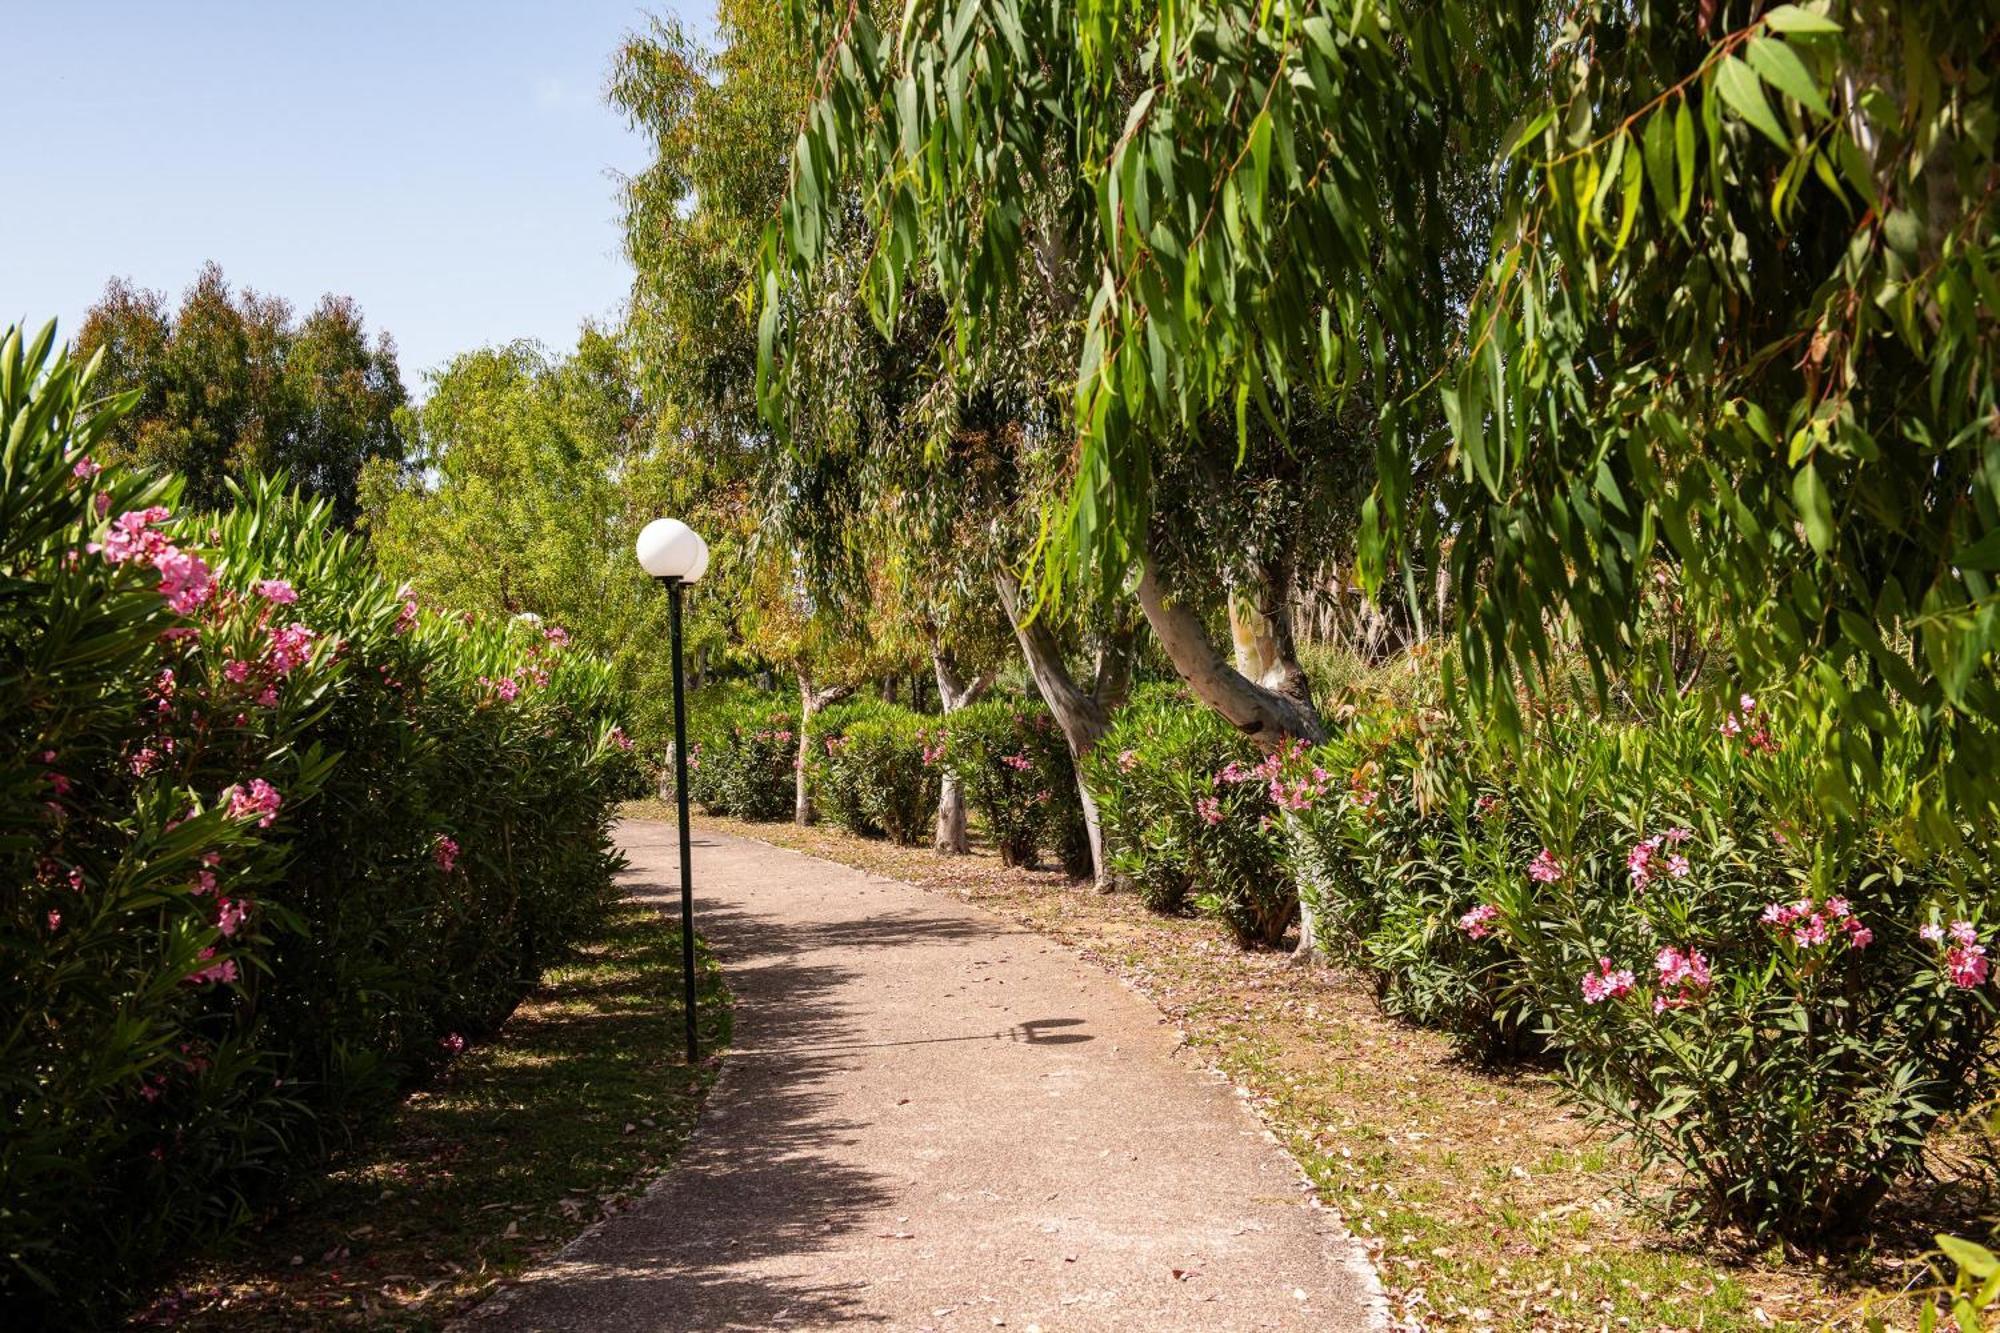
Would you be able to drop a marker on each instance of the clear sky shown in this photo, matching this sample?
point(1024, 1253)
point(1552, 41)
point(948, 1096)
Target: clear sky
point(448, 163)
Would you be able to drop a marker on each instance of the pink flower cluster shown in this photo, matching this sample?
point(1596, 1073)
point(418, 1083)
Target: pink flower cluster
point(556, 636)
point(1210, 810)
point(230, 915)
point(259, 798)
point(1744, 721)
point(933, 752)
point(184, 579)
point(1683, 979)
point(224, 971)
point(1545, 869)
point(620, 739)
point(451, 1044)
point(1965, 962)
point(1020, 763)
point(1486, 804)
point(289, 648)
point(406, 619)
point(1644, 862)
point(1478, 923)
point(1127, 760)
point(445, 852)
point(1608, 982)
point(1811, 926)
point(276, 591)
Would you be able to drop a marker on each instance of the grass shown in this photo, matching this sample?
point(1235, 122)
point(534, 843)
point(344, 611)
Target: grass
point(1486, 1201)
point(574, 1105)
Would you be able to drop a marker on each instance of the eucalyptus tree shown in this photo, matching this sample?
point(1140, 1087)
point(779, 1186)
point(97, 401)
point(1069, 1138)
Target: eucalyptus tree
point(1742, 317)
point(1246, 209)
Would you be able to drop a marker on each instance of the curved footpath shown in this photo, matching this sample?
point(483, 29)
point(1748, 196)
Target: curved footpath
point(933, 1119)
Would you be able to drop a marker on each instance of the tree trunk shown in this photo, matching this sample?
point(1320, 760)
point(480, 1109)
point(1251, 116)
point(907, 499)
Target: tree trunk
point(1083, 717)
point(811, 700)
point(954, 693)
point(1265, 695)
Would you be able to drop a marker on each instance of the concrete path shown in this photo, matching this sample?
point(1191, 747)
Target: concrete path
point(933, 1119)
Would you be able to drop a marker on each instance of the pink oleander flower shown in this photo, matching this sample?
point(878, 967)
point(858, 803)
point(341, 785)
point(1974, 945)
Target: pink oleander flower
point(1545, 869)
point(76, 878)
point(507, 688)
point(1127, 760)
point(1639, 862)
point(230, 916)
point(1679, 835)
point(1210, 809)
point(452, 1044)
point(289, 648)
point(86, 468)
point(1478, 923)
point(1607, 983)
point(259, 798)
point(60, 783)
point(445, 852)
point(145, 762)
point(132, 536)
point(1962, 932)
point(204, 881)
point(184, 580)
point(1020, 763)
point(235, 672)
point(1730, 727)
point(1684, 978)
point(1486, 804)
point(620, 739)
point(1234, 772)
point(278, 591)
point(1967, 966)
point(556, 635)
point(1677, 866)
point(224, 971)
point(1931, 934)
point(55, 921)
point(406, 619)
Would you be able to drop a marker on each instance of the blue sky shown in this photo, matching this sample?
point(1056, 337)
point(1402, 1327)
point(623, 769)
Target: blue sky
point(446, 164)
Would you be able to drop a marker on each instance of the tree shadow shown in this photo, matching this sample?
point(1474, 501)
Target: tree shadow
point(763, 1182)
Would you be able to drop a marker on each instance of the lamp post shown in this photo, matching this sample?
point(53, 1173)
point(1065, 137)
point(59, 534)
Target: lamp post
point(675, 554)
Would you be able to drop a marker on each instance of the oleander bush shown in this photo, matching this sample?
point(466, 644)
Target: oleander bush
point(743, 757)
point(884, 765)
point(281, 839)
point(837, 781)
point(1018, 778)
point(1187, 816)
point(1757, 983)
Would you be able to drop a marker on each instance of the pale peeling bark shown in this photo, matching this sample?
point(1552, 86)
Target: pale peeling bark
point(1265, 694)
point(954, 693)
point(1083, 716)
point(811, 700)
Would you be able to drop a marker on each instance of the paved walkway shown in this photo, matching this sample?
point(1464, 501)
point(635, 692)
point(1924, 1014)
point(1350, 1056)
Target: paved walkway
point(933, 1119)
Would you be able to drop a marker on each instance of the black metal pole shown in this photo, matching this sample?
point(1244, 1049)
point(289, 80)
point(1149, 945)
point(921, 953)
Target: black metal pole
point(681, 792)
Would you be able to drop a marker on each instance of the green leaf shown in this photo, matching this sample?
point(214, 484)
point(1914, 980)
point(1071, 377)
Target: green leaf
point(1791, 18)
point(1744, 93)
point(1976, 1260)
point(1781, 67)
point(1815, 508)
point(1684, 157)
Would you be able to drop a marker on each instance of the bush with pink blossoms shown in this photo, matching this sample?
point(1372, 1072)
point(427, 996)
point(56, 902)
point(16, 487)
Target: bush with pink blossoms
point(1014, 767)
point(1188, 816)
point(229, 937)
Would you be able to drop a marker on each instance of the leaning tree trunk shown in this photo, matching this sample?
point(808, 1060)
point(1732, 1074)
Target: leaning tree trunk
point(810, 702)
point(954, 693)
point(1082, 716)
point(1265, 695)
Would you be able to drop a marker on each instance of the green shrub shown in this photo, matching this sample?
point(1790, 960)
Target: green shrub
point(1756, 983)
point(743, 754)
point(889, 758)
point(837, 783)
point(1016, 772)
point(281, 840)
point(1187, 816)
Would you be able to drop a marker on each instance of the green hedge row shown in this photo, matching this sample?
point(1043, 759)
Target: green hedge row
point(875, 767)
point(282, 841)
point(1752, 979)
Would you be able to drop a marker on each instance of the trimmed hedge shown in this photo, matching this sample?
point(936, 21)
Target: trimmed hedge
point(876, 772)
point(283, 840)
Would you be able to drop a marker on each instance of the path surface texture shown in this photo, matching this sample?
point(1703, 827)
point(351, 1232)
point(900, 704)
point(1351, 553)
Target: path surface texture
point(933, 1119)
